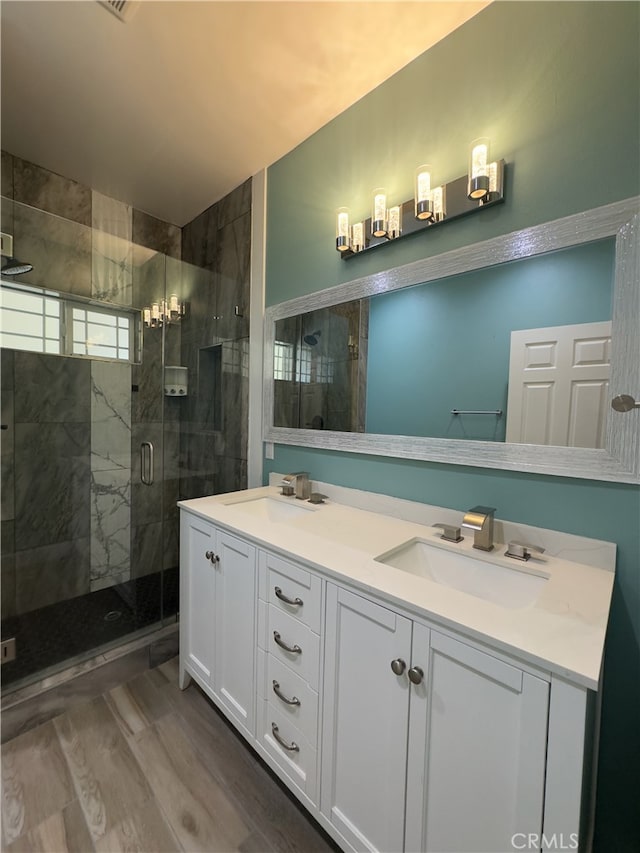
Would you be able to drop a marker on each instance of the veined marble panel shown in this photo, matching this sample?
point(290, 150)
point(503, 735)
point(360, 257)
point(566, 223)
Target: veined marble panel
point(41, 188)
point(112, 250)
point(110, 528)
point(110, 416)
point(59, 249)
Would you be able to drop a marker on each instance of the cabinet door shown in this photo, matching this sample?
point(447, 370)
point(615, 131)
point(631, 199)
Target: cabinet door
point(197, 596)
point(235, 629)
point(477, 746)
point(365, 721)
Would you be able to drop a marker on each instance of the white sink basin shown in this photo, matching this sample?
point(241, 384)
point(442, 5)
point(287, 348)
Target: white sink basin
point(272, 509)
point(509, 587)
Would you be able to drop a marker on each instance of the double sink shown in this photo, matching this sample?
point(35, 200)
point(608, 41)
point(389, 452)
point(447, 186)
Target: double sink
point(483, 576)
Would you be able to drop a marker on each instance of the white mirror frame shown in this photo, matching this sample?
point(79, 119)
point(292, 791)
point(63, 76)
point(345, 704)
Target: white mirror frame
point(618, 462)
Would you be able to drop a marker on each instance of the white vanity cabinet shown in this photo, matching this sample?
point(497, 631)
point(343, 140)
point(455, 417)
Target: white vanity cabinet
point(430, 744)
point(397, 731)
point(218, 617)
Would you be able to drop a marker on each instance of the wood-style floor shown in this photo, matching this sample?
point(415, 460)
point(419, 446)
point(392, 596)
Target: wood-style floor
point(140, 766)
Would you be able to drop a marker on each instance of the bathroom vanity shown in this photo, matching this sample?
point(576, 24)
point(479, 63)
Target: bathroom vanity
point(413, 693)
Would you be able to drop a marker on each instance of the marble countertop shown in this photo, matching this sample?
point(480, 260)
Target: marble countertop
point(563, 632)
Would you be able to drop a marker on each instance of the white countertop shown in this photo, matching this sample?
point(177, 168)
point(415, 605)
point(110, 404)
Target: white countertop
point(563, 632)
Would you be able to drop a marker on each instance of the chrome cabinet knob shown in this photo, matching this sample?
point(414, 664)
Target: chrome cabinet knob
point(398, 666)
point(212, 557)
point(415, 675)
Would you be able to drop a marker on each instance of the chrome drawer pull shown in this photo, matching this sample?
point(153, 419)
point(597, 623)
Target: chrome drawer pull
point(296, 650)
point(292, 747)
point(276, 689)
point(296, 602)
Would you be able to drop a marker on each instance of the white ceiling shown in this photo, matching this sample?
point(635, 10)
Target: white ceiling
point(176, 107)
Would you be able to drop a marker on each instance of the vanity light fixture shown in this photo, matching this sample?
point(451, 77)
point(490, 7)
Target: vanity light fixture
point(480, 188)
point(162, 313)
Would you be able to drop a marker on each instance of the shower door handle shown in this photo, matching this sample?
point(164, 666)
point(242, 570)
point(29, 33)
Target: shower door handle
point(146, 463)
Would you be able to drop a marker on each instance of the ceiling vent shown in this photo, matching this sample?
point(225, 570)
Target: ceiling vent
point(122, 9)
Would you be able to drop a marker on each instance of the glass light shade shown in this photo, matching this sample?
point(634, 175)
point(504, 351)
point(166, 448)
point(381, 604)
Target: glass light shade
point(395, 221)
point(493, 178)
point(357, 236)
point(437, 201)
point(342, 229)
point(379, 213)
point(174, 306)
point(423, 207)
point(479, 169)
point(146, 316)
point(155, 313)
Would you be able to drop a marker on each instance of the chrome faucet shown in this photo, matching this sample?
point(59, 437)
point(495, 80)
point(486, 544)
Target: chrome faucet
point(298, 484)
point(480, 519)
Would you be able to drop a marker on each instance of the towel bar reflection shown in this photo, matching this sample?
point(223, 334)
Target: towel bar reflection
point(495, 412)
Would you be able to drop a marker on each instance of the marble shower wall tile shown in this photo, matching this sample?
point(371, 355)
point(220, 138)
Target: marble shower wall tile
point(111, 473)
point(52, 389)
point(146, 549)
point(235, 204)
point(8, 567)
point(110, 528)
point(156, 234)
point(112, 255)
point(6, 173)
point(59, 249)
point(110, 416)
point(52, 483)
point(7, 418)
point(51, 573)
point(50, 192)
point(233, 266)
point(199, 238)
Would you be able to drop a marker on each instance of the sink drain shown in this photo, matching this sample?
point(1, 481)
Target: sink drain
point(112, 615)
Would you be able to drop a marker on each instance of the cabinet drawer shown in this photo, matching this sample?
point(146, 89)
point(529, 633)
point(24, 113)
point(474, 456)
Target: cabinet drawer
point(298, 765)
point(282, 582)
point(274, 676)
point(284, 630)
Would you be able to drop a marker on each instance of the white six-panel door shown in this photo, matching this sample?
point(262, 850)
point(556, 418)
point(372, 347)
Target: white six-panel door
point(558, 385)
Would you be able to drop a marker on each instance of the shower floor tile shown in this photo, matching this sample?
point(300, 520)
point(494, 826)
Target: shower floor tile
point(52, 635)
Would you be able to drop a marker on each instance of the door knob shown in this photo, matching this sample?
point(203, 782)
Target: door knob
point(398, 666)
point(415, 675)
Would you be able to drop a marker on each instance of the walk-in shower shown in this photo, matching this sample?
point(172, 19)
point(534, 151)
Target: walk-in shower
point(90, 445)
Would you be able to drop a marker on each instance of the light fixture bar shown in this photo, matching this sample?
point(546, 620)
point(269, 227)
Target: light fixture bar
point(454, 202)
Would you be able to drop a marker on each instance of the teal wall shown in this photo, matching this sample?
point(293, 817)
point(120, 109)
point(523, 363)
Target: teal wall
point(409, 389)
point(555, 85)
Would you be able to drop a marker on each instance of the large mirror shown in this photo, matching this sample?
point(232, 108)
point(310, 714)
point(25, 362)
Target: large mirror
point(503, 354)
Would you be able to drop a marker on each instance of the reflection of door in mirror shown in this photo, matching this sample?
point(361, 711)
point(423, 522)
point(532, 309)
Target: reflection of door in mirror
point(444, 344)
point(558, 385)
point(320, 363)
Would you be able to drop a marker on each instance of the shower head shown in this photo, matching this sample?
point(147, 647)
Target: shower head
point(312, 339)
point(12, 266)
